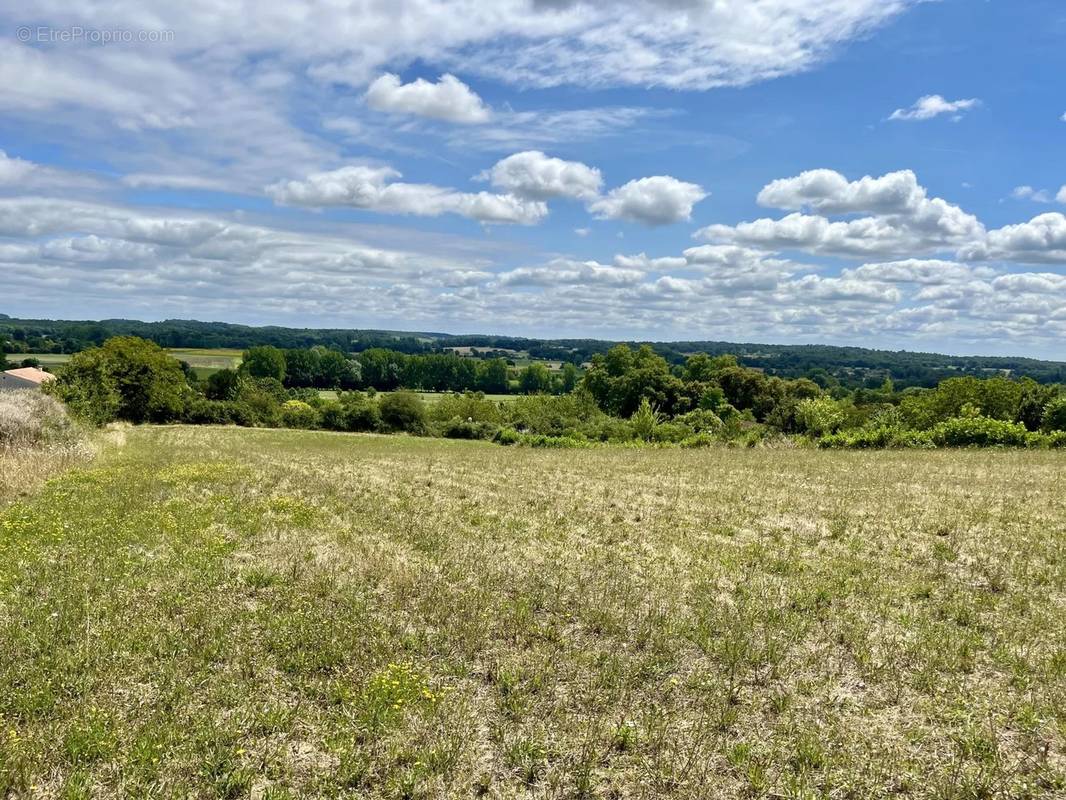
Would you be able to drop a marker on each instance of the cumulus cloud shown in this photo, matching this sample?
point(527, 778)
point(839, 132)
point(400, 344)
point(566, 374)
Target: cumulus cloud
point(133, 262)
point(933, 105)
point(658, 200)
point(532, 174)
point(902, 219)
point(1041, 240)
point(642, 262)
point(449, 99)
point(566, 271)
point(372, 188)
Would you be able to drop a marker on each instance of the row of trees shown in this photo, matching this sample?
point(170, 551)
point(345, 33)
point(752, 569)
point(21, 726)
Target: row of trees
point(389, 370)
point(625, 394)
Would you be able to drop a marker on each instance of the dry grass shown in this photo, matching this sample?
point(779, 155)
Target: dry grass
point(219, 612)
point(37, 440)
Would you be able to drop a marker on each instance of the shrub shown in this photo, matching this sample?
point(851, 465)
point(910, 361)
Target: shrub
point(223, 385)
point(554, 415)
point(671, 432)
point(29, 418)
point(467, 429)
point(702, 439)
point(701, 421)
point(507, 436)
point(471, 406)
point(1054, 418)
point(361, 412)
point(403, 411)
point(644, 420)
point(979, 432)
point(819, 416)
point(298, 414)
point(881, 436)
point(220, 412)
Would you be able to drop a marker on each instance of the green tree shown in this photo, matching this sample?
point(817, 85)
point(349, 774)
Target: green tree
point(644, 420)
point(819, 416)
point(1055, 414)
point(264, 361)
point(222, 385)
point(535, 379)
point(568, 378)
point(126, 378)
point(621, 378)
point(492, 377)
point(403, 411)
point(336, 371)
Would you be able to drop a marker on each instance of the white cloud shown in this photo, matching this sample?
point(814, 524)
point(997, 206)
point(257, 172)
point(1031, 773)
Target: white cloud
point(132, 262)
point(1061, 196)
point(933, 272)
point(371, 188)
point(1040, 240)
point(1029, 193)
point(903, 220)
point(14, 170)
point(933, 105)
point(642, 262)
point(449, 99)
point(582, 231)
point(533, 175)
point(658, 200)
point(565, 271)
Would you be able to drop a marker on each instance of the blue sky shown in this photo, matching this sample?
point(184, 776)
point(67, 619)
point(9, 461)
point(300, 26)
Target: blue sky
point(888, 173)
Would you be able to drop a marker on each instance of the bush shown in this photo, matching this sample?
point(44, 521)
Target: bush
point(507, 436)
point(702, 439)
point(701, 421)
point(819, 416)
point(554, 415)
point(979, 432)
point(29, 418)
point(881, 436)
point(298, 414)
point(361, 412)
point(217, 412)
point(467, 429)
point(1054, 418)
point(471, 406)
point(403, 411)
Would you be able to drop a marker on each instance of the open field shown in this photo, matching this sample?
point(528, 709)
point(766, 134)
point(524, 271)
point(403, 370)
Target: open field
point(209, 360)
point(215, 358)
point(209, 612)
point(46, 359)
point(429, 397)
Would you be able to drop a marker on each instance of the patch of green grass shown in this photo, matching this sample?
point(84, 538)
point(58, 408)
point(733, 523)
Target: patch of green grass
point(219, 612)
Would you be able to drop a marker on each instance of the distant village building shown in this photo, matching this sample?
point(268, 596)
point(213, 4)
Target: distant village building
point(24, 378)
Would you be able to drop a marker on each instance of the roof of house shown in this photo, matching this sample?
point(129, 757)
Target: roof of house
point(31, 374)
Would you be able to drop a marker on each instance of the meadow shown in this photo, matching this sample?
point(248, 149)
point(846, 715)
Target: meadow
point(222, 612)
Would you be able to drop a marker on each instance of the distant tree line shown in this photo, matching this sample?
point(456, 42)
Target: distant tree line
point(626, 395)
point(829, 366)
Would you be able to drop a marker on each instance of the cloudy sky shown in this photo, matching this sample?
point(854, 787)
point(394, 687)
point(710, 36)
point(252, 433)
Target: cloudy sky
point(885, 173)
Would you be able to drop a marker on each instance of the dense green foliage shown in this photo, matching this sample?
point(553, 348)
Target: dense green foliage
point(126, 378)
point(828, 366)
point(625, 396)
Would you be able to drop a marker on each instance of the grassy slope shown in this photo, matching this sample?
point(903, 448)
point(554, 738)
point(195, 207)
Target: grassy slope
point(218, 612)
